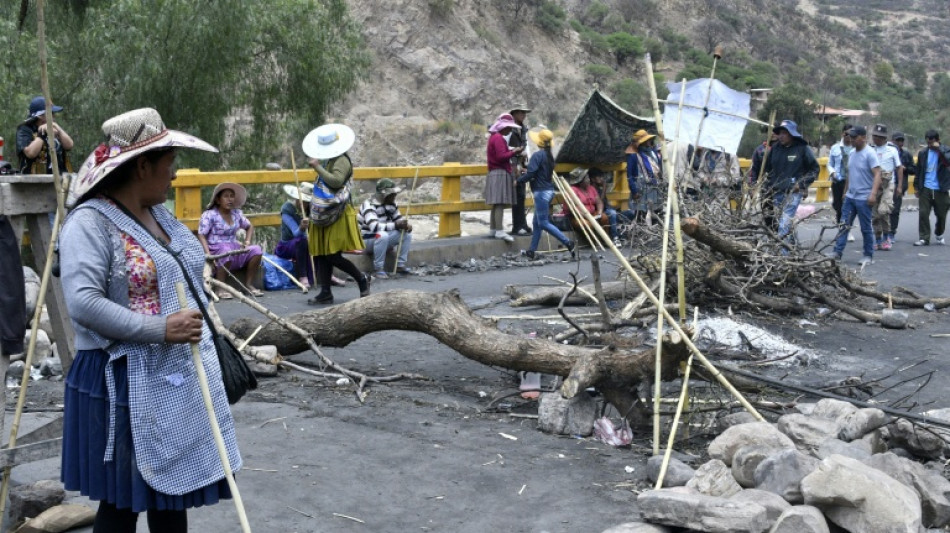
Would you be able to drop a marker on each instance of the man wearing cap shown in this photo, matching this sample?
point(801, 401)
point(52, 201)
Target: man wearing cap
point(864, 184)
point(519, 163)
point(790, 169)
point(32, 140)
point(910, 169)
point(892, 178)
point(644, 176)
point(931, 186)
point(838, 172)
point(384, 227)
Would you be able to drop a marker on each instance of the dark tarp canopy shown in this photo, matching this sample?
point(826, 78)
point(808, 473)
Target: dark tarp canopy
point(600, 133)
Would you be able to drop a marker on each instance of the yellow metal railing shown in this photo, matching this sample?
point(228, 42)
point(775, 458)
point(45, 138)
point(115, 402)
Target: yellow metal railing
point(450, 206)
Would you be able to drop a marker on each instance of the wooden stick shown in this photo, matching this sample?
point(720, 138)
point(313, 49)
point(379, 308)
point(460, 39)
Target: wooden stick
point(250, 338)
point(669, 318)
point(765, 157)
point(47, 268)
point(699, 129)
point(679, 411)
point(569, 199)
point(213, 419)
point(402, 234)
point(288, 274)
point(717, 111)
point(670, 197)
point(293, 162)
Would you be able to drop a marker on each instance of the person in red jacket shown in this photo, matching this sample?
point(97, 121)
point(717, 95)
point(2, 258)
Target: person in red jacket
point(500, 184)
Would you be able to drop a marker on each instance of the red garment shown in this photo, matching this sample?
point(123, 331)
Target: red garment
point(588, 197)
point(499, 156)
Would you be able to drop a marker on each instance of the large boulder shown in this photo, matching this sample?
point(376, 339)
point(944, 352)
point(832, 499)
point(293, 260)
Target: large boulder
point(832, 409)
point(774, 504)
point(746, 460)
point(27, 501)
point(714, 479)
point(678, 473)
point(807, 432)
point(858, 449)
point(801, 519)
point(567, 416)
point(675, 507)
point(861, 422)
point(932, 488)
point(729, 441)
point(862, 499)
point(920, 441)
point(782, 473)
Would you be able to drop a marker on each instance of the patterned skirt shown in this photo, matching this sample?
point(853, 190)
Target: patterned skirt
point(499, 187)
point(86, 430)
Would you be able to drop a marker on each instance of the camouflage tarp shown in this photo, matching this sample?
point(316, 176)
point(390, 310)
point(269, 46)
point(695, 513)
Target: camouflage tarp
point(600, 133)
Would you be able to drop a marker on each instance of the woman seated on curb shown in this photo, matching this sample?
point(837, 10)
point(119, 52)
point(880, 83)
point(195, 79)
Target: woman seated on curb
point(217, 232)
point(589, 197)
point(293, 245)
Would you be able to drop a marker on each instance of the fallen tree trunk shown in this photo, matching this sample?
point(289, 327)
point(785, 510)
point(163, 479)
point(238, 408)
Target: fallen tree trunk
point(445, 316)
point(551, 296)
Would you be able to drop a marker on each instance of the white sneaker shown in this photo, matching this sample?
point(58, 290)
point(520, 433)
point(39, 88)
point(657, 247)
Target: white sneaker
point(939, 239)
point(850, 237)
point(865, 261)
point(504, 236)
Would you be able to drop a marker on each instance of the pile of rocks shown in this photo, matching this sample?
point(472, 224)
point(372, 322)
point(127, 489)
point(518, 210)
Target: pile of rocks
point(829, 466)
point(46, 362)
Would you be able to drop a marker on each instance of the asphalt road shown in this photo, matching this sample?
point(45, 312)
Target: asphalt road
point(431, 456)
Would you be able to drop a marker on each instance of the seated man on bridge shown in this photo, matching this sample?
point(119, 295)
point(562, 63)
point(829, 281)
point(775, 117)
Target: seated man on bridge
point(385, 228)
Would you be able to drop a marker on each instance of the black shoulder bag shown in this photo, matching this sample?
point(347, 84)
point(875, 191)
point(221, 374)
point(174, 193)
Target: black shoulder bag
point(235, 372)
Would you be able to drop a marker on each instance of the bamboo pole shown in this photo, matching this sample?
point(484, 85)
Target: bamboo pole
point(575, 207)
point(670, 196)
point(213, 419)
point(765, 157)
point(402, 234)
point(681, 402)
point(313, 268)
point(669, 318)
point(716, 111)
point(47, 268)
point(699, 130)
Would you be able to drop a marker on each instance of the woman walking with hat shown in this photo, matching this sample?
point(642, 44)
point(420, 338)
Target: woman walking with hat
point(333, 226)
point(131, 437)
point(539, 174)
point(217, 232)
point(500, 184)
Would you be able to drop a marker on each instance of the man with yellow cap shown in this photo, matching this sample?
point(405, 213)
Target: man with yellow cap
point(644, 175)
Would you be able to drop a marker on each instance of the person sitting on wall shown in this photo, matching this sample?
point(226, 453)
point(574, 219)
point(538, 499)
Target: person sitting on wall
point(384, 228)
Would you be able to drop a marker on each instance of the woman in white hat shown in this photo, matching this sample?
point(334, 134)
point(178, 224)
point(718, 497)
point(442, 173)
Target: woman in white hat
point(218, 234)
point(500, 184)
point(332, 234)
point(131, 437)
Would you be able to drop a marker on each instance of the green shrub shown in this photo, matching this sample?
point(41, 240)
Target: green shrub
point(551, 16)
point(441, 8)
point(632, 96)
point(599, 72)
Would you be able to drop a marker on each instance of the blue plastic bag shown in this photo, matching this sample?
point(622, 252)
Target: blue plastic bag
point(275, 280)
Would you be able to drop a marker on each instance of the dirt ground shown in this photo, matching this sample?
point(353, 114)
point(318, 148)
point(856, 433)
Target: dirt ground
point(435, 456)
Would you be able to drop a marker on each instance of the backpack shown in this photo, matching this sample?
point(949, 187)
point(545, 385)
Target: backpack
point(328, 204)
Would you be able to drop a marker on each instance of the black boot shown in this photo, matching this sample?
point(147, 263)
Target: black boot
point(363, 282)
point(324, 297)
point(571, 245)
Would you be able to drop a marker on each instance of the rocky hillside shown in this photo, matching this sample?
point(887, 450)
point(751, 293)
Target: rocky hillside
point(443, 69)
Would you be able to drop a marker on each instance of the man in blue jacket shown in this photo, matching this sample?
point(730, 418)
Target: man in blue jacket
point(790, 168)
point(932, 187)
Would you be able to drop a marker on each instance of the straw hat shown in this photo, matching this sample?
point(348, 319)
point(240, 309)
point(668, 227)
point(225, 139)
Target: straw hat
point(504, 120)
point(128, 136)
point(577, 175)
point(240, 194)
point(328, 141)
point(542, 138)
point(305, 193)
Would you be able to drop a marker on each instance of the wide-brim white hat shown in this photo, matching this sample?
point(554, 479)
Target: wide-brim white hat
point(240, 194)
point(305, 192)
point(328, 141)
point(128, 135)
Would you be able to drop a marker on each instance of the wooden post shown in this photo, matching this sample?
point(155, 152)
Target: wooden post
point(450, 223)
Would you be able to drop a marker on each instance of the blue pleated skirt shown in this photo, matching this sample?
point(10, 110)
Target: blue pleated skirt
point(85, 433)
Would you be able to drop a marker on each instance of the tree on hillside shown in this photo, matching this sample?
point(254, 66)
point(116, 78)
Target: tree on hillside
point(625, 46)
point(790, 101)
point(248, 77)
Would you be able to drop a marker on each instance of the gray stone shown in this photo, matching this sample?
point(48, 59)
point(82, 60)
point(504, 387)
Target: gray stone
point(725, 445)
point(51, 366)
point(861, 422)
point(32, 289)
point(920, 441)
point(714, 479)
point(733, 419)
point(805, 408)
point(43, 348)
point(15, 370)
point(875, 441)
point(774, 504)
point(931, 487)
point(746, 460)
point(807, 432)
point(679, 508)
point(801, 519)
point(28, 501)
point(45, 324)
point(856, 450)
point(678, 473)
point(637, 527)
point(894, 319)
point(832, 409)
point(857, 497)
point(567, 416)
point(782, 473)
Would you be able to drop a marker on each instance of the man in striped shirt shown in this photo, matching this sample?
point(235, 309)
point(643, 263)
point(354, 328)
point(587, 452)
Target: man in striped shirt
point(383, 227)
